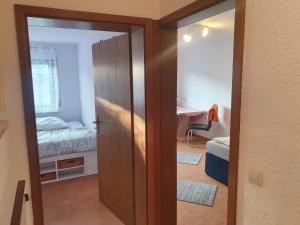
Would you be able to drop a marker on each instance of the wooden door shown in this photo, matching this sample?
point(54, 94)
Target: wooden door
point(113, 99)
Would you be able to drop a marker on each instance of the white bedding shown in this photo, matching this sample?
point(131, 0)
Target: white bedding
point(223, 140)
point(218, 149)
point(74, 139)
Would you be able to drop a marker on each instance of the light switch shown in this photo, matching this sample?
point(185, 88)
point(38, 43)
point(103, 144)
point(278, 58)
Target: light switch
point(255, 177)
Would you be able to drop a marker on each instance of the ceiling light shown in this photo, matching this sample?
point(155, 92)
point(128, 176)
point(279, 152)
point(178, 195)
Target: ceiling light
point(205, 32)
point(187, 38)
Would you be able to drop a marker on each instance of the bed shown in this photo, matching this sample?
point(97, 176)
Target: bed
point(217, 160)
point(75, 138)
point(66, 149)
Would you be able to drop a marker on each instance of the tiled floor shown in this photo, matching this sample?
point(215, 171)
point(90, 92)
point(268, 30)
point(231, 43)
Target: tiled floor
point(194, 214)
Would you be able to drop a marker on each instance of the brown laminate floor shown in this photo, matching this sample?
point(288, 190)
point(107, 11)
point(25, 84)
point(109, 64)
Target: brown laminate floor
point(75, 202)
point(194, 214)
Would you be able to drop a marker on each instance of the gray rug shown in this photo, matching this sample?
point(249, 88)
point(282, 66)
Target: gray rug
point(203, 194)
point(189, 158)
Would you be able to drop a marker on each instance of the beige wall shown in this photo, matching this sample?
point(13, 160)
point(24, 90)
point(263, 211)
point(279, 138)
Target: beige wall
point(270, 126)
point(169, 6)
point(270, 89)
point(13, 156)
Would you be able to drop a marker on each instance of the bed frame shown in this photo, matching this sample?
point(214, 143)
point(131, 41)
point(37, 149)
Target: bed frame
point(216, 168)
point(68, 166)
point(217, 161)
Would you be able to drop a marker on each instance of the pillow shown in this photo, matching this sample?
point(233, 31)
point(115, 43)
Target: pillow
point(75, 125)
point(50, 123)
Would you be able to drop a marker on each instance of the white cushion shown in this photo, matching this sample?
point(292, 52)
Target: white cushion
point(50, 123)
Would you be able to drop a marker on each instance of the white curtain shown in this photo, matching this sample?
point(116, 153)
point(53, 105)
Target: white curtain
point(44, 78)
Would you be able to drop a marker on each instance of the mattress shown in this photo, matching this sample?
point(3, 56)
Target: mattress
point(218, 149)
point(65, 141)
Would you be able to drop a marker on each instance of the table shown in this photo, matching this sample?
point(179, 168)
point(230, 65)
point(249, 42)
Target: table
point(184, 116)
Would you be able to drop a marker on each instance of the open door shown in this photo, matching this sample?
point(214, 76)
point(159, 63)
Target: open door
point(113, 99)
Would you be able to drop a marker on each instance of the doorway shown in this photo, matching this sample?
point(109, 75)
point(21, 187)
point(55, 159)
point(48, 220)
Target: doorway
point(204, 79)
point(169, 26)
point(123, 162)
point(158, 106)
point(70, 71)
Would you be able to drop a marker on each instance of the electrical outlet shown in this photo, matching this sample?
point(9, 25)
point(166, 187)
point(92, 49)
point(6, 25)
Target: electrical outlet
point(256, 177)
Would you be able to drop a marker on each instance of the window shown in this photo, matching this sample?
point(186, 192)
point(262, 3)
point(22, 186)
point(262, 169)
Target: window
point(44, 79)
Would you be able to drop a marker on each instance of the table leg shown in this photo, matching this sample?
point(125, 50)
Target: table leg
point(183, 122)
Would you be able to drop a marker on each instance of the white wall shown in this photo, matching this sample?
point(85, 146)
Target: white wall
point(87, 94)
point(68, 77)
point(205, 74)
point(79, 93)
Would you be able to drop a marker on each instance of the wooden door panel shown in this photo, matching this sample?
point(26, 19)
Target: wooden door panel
point(112, 75)
point(138, 86)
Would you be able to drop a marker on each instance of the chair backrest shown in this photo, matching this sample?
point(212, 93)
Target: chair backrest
point(209, 125)
point(213, 113)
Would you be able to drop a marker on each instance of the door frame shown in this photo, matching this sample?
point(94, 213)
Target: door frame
point(160, 199)
point(110, 23)
point(168, 26)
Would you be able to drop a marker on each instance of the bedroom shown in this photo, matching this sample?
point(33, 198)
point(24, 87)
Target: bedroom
point(204, 65)
point(64, 64)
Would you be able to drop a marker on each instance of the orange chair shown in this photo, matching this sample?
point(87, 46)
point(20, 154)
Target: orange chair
point(212, 116)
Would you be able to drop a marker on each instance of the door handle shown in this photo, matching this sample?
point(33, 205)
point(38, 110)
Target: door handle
point(98, 123)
